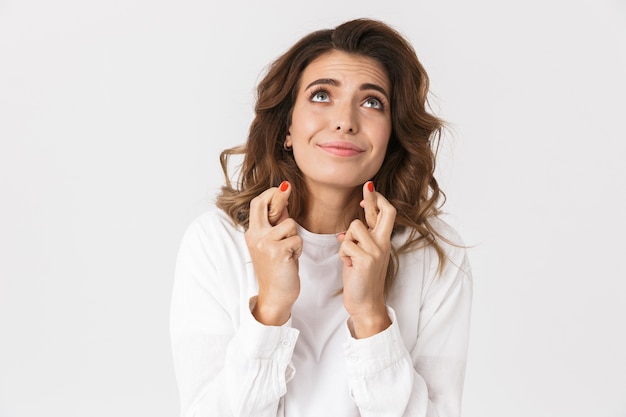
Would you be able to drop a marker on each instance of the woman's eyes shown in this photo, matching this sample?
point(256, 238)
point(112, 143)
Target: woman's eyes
point(322, 96)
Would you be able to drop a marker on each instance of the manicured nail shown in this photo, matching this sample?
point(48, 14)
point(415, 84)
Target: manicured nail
point(283, 186)
point(370, 186)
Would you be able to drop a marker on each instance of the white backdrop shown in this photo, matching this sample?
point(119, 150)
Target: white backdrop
point(112, 115)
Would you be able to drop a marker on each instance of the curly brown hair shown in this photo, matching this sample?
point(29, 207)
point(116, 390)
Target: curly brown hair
point(406, 177)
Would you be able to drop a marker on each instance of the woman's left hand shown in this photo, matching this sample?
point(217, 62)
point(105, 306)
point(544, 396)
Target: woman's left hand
point(365, 252)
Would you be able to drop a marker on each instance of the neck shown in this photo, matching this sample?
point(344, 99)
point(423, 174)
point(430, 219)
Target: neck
point(330, 211)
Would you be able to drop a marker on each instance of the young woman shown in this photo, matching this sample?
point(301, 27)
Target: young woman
point(323, 283)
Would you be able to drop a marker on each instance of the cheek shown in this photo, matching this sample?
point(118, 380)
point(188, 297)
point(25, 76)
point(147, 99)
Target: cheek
point(380, 150)
point(381, 139)
point(304, 124)
point(380, 131)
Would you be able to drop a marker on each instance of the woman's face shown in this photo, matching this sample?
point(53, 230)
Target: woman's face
point(341, 120)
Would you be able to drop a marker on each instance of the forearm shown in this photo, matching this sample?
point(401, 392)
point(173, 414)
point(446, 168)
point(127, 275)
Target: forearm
point(249, 381)
point(384, 380)
point(258, 367)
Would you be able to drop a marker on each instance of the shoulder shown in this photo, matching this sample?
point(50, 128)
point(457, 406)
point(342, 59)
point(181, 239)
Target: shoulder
point(451, 259)
point(212, 229)
point(211, 221)
point(448, 238)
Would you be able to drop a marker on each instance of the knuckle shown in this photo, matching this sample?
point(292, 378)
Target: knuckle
point(390, 208)
point(260, 246)
point(255, 202)
point(355, 224)
point(290, 224)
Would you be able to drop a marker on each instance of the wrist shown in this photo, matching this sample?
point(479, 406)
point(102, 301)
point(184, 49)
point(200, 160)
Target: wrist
point(367, 325)
point(270, 314)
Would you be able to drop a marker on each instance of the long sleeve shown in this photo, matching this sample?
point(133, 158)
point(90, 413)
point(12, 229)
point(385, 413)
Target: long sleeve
point(226, 363)
point(386, 378)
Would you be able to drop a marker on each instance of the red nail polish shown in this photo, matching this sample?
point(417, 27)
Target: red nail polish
point(283, 186)
point(370, 186)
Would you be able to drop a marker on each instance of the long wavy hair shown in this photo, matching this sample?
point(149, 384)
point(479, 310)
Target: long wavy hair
point(406, 177)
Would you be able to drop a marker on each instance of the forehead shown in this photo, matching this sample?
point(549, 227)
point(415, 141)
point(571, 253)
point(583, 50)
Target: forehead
point(345, 67)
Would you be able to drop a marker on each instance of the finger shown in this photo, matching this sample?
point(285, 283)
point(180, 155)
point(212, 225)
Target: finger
point(277, 211)
point(289, 248)
point(350, 251)
point(385, 219)
point(259, 208)
point(345, 259)
point(295, 245)
point(369, 204)
point(358, 234)
point(284, 230)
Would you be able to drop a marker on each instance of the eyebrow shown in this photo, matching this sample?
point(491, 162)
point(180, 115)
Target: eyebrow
point(375, 87)
point(333, 82)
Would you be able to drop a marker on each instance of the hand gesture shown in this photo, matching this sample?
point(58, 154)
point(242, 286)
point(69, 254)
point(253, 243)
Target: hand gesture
point(274, 247)
point(365, 254)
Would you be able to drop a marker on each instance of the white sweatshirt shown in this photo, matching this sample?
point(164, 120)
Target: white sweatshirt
point(228, 364)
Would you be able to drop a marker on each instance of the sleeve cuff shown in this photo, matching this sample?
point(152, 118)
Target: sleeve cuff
point(261, 341)
point(375, 353)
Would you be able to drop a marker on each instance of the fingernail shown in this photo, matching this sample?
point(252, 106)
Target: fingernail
point(370, 186)
point(283, 186)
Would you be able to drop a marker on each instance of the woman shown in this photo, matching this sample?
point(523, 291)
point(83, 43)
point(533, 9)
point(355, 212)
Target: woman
point(323, 283)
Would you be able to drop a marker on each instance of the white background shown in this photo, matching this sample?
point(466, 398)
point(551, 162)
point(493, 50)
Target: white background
point(112, 116)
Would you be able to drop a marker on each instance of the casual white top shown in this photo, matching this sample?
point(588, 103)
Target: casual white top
point(228, 364)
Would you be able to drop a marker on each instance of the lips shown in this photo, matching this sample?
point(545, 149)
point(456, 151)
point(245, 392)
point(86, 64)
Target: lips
point(340, 148)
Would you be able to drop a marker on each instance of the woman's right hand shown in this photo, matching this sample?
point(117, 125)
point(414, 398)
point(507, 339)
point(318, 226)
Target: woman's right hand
point(274, 247)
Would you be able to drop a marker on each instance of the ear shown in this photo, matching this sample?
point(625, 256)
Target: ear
point(288, 140)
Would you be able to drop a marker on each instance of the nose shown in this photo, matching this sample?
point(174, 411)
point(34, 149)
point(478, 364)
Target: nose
point(345, 119)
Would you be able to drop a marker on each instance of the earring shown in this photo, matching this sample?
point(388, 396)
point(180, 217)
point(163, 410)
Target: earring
point(286, 147)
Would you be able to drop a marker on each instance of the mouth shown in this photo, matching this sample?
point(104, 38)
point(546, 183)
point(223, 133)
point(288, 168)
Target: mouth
point(339, 148)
